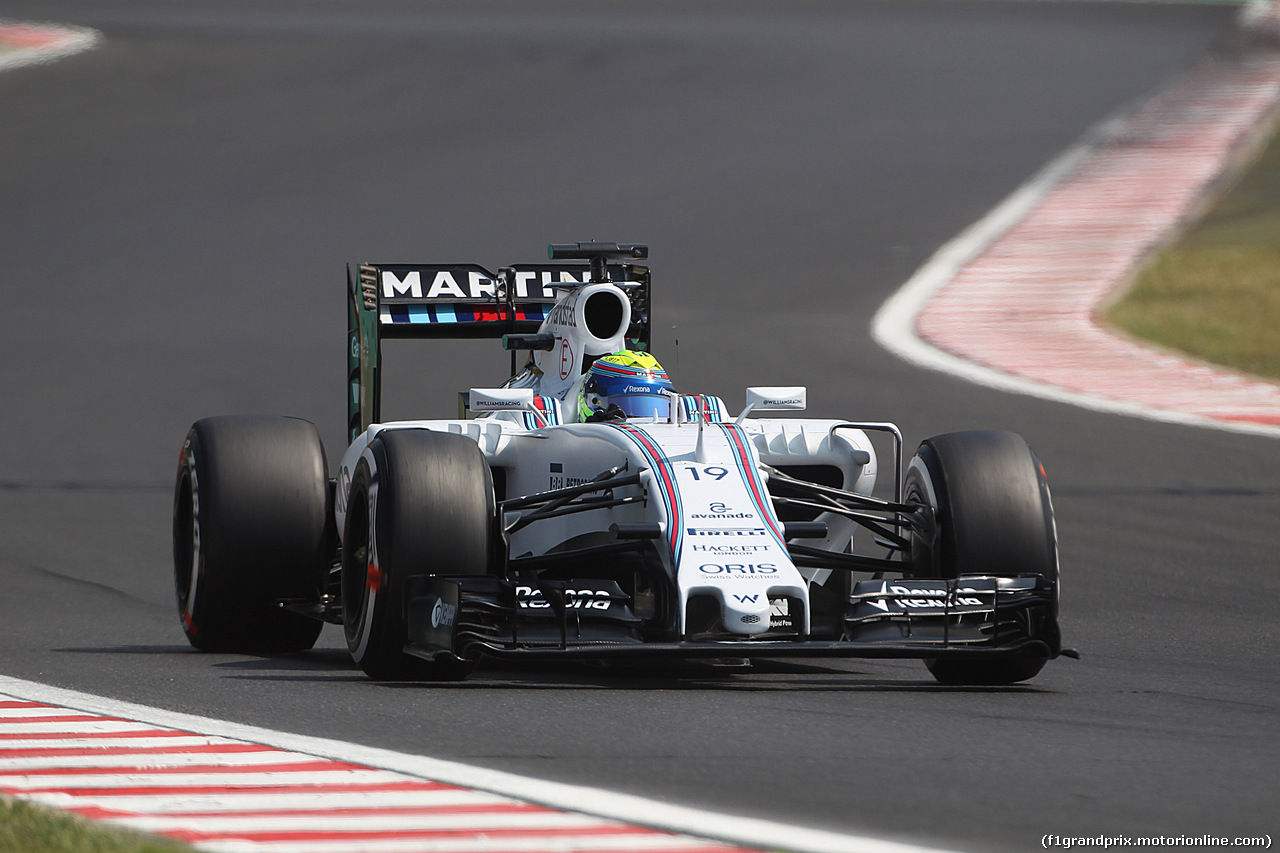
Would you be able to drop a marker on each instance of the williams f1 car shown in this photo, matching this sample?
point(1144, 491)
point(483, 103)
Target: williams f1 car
point(584, 509)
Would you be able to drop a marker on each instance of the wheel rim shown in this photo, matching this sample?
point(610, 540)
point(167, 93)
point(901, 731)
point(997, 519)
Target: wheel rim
point(186, 546)
point(355, 567)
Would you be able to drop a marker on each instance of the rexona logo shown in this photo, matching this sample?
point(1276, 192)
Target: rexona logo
point(443, 614)
point(728, 531)
point(920, 598)
point(738, 569)
point(528, 598)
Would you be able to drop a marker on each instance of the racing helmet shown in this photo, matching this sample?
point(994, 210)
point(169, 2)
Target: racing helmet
point(633, 381)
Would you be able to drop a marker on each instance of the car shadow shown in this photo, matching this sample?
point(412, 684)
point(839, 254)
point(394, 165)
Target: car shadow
point(762, 675)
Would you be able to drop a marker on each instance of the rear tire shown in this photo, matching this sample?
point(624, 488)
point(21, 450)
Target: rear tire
point(994, 516)
point(250, 527)
point(421, 503)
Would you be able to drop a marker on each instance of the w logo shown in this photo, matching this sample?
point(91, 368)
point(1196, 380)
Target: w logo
point(746, 599)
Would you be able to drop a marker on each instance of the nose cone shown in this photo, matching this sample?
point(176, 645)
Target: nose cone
point(746, 613)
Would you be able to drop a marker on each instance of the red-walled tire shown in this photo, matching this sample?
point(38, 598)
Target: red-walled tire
point(994, 517)
point(250, 527)
point(421, 503)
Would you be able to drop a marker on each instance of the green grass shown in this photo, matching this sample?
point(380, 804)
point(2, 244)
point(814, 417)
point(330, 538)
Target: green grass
point(28, 828)
point(1215, 294)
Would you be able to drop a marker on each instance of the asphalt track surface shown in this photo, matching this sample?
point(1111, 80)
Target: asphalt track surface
point(178, 206)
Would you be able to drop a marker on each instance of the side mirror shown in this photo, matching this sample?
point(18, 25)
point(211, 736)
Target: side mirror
point(778, 398)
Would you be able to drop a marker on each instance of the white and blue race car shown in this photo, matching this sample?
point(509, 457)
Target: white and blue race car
point(585, 509)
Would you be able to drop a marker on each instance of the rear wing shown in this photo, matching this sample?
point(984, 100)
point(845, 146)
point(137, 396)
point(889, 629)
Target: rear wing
point(447, 301)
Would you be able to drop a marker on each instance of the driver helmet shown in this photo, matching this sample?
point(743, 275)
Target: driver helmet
point(633, 381)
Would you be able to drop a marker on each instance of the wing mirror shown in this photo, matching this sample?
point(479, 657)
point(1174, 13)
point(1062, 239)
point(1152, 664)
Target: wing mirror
point(778, 398)
point(499, 400)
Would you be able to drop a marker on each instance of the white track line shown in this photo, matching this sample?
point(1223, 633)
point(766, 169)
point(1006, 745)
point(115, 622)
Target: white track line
point(148, 795)
point(255, 802)
point(516, 844)
point(1009, 303)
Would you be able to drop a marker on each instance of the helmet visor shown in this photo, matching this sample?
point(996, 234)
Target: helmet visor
point(642, 405)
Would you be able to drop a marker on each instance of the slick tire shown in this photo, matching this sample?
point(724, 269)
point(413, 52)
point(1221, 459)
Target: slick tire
point(994, 516)
point(421, 503)
point(251, 526)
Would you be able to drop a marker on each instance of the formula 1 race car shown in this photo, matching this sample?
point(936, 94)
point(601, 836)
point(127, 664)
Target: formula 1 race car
point(586, 510)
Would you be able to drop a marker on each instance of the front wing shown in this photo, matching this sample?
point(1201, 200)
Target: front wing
point(586, 618)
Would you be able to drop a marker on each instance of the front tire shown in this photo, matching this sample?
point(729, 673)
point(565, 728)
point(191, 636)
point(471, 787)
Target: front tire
point(993, 516)
point(250, 527)
point(421, 503)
